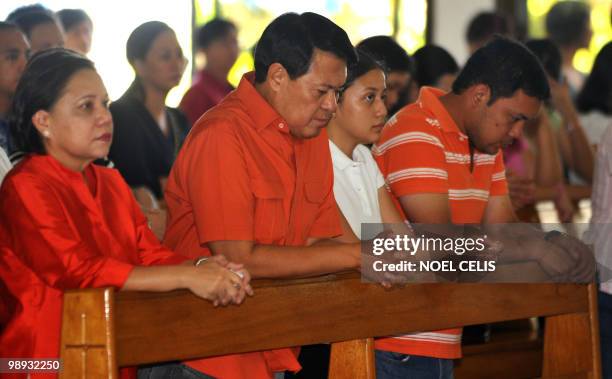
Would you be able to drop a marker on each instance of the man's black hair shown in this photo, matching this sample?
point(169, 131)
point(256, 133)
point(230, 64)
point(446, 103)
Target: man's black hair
point(212, 31)
point(505, 66)
point(73, 17)
point(291, 39)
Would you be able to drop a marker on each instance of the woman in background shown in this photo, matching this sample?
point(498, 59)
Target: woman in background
point(66, 223)
point(148, 134)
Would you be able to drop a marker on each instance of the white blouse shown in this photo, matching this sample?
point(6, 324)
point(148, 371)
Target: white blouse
point(356, 184)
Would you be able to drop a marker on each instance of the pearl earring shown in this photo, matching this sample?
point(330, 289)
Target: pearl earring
point(46, 133)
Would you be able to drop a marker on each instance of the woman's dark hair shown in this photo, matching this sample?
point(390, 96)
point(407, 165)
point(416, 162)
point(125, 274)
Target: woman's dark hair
point(431, 63)
point(387, 50)
point(549, 55)
point(212, 31)
point(596, 94)
point(73, 17)
point(505, 66)
point(27, 21)
point(291, 39)
point(40, 87)
point(138, 45)
point(365, 63)
point(567, 21)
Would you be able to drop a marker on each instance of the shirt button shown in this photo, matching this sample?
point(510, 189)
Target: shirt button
point(281, 125)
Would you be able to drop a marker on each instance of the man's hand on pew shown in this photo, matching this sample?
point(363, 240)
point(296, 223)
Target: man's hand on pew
point(583, 259)
point(564, 258)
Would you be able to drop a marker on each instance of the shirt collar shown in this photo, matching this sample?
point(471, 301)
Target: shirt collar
point(340, 160)
point(429, 98)
point(257, 107)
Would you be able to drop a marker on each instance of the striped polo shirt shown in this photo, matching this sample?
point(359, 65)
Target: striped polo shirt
point(421, 150)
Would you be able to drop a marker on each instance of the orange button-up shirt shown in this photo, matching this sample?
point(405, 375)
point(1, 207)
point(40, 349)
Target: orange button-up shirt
point(241, 175)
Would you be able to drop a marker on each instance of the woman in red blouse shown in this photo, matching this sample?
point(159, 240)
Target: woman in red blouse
point(66, 223)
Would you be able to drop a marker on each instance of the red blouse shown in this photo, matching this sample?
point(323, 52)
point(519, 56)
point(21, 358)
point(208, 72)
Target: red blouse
point(58, 232)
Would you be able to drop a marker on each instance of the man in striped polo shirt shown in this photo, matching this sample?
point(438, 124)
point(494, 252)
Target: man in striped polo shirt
point(442, 160)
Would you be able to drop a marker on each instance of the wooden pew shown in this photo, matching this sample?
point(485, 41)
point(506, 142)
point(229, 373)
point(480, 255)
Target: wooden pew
point(103, 329)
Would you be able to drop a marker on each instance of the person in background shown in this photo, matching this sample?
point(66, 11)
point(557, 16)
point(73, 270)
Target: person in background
point(40, 26)
point(148, 134)
point(401, 89)
point(218, 41)
point(14, 52)
point(66, 223)
point(78, 29)
point(434, 67)
point(596, 99)
point(573, 144)
point(594, 102)
point(484, 26)
point(568, 25)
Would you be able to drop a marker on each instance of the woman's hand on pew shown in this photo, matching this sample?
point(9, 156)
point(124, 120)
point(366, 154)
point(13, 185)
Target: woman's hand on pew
point(220, 281)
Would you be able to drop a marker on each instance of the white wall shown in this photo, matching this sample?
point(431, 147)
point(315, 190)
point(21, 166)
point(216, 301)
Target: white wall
point(450, 24)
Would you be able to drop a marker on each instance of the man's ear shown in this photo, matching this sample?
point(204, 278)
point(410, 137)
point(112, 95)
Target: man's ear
point(480, 94)
point(40, 120)
point(277, 76)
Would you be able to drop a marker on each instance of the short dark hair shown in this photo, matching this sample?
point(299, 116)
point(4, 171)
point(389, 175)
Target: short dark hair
point(29, 20)
point(291, 39)
point(596, 94)
point(566, 22)
point(365, 63)
point(73, 17)
point(505, 66)
point(549, 55)
point(212, 31)
point(431, 63)
point(26, 9)
point(40, 87)
point(485, 25)
point(386, 49)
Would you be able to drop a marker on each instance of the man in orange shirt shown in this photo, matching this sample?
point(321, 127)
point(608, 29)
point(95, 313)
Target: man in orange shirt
point(442, 161)
point(254, 178)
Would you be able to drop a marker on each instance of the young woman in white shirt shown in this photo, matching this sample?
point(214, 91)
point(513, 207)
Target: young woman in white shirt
point(360, 190)
point(359, 186)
